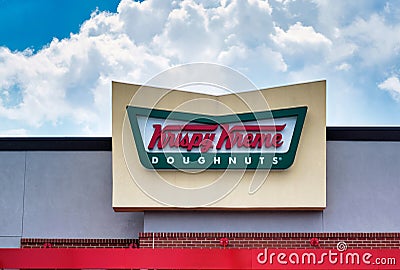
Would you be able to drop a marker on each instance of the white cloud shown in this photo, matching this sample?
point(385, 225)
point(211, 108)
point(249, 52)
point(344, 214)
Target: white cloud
point(376, 40)
point(392, 85)
point(301, 45)
point(14, 133)
point(299, 35)
point(195, 33)
point(68, 82)
point(143, 21)
point(343, 66)
point(70, 79)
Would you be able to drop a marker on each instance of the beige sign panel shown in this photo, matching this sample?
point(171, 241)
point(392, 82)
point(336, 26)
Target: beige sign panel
point(301, 186)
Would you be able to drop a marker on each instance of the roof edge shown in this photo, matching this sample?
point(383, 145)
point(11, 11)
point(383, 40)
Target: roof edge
point(377, 134)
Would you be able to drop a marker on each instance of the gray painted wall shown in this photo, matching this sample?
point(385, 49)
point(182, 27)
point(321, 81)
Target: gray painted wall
point(60, 195)
point(65, 194)
point(363, 195)
point(363, 187)
point(12, 173)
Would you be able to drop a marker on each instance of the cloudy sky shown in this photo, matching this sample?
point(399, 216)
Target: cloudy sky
point(58, 58)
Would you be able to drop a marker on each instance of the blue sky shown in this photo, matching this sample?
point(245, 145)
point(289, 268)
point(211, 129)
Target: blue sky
point(58, 58)
point(34, 23)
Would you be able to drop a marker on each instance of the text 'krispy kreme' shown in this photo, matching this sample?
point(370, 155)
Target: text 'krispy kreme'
point(204, 137)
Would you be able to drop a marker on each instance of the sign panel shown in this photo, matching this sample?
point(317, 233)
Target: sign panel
point(178, 140)
point(261, 149)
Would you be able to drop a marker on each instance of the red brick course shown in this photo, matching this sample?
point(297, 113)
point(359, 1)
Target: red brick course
point(235, 240)
point(270, 240)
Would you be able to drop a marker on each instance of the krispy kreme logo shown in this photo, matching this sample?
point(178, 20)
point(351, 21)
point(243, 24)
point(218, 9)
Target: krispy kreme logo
point(180, 140)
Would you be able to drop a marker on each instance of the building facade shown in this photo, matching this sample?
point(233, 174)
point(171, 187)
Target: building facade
point(57, 193)
point(57, 188)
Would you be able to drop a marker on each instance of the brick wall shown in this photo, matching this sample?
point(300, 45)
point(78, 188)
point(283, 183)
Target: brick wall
point(270, 240)
point(234, 240)
point(78, 243)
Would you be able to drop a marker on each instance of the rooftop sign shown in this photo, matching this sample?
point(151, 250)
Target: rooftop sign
point(213, 149)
